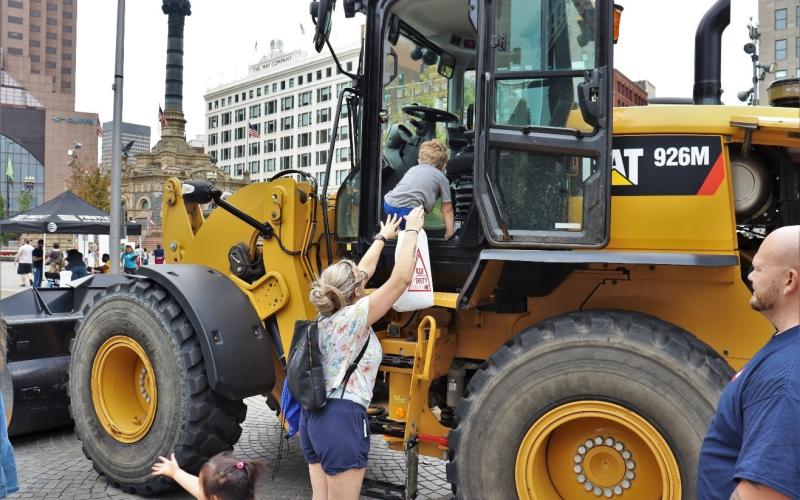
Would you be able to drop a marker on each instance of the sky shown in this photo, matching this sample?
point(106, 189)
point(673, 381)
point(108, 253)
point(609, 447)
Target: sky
point(222, 37)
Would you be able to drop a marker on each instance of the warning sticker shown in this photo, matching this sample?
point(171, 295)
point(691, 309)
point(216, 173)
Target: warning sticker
point(421, 281)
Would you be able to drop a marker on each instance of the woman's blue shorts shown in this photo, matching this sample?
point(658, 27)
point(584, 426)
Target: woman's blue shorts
point(336, 436)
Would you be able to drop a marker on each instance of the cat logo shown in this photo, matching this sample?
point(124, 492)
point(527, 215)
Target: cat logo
point(622, 175)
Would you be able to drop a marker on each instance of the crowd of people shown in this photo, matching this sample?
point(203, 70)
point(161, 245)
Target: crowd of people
point(35, 267)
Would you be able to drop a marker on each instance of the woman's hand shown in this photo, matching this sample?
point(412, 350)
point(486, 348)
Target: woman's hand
point(166, 466)
point(389, 228)
point(415, 219)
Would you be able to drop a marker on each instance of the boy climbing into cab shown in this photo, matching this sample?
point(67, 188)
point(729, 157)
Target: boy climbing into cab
point(422, 185)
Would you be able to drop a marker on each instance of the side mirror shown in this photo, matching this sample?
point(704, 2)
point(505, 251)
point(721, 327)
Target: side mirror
point(322, 15)
point(394, 30)
point(387, 76)
point(447, 64)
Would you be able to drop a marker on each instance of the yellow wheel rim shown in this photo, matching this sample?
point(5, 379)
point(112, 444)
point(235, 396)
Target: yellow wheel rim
point(595, 449)
point(124, 390)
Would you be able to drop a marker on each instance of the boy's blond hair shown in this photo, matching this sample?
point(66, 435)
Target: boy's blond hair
point(434, 153)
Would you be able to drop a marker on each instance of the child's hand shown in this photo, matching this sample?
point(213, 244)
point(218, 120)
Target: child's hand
point(166, 467)
point(415, 219)
point(389, 229)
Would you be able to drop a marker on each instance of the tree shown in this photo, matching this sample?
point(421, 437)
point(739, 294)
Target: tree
point(90, 184)
point(25, 201)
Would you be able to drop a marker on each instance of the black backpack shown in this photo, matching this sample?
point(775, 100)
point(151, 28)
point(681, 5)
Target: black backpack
point(304, 368)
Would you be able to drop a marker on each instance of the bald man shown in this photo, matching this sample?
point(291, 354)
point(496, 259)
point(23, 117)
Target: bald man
point(752, 449)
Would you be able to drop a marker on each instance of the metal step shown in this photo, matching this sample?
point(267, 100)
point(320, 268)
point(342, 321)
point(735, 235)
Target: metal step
point(373, 488)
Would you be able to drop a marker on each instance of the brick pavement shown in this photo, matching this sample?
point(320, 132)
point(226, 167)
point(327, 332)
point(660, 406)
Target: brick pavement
point(52, 466)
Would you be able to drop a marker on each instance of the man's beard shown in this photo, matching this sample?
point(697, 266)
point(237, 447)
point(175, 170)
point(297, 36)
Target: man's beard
point(765, 300)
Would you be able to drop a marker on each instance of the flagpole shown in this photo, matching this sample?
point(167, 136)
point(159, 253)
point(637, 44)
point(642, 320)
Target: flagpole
point(115, 233)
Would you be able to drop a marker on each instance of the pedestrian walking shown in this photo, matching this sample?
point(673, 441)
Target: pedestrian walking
point(24, 261)
point(38, 263)
point(752, 448)
point(145, 257)
point(223, 477)
point(55, 258)
point(335, 439)
point(129, 260)
point(8, 466)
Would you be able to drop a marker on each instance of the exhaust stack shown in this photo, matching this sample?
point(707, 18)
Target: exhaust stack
point(707, 53)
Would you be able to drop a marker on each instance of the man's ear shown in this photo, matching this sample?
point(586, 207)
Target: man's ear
point(792, 283)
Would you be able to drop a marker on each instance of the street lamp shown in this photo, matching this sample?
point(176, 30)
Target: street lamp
point(29, 182)
point(759, 70)
point(211, 176)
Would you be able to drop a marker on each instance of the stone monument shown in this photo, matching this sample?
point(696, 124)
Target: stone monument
point(172, 156)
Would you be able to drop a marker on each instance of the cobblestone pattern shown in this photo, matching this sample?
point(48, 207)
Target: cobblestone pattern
point(52, 466)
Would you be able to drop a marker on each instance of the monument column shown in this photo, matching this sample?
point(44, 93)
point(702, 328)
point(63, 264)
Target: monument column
point(177, 10)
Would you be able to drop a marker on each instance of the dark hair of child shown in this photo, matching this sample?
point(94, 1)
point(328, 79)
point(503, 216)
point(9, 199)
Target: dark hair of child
point(229, 478)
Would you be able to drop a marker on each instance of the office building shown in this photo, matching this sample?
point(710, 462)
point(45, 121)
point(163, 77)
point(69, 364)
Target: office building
point(131, 132)
point(630, 93)
point(779, 25)
point(37, 59)
point(280, 116)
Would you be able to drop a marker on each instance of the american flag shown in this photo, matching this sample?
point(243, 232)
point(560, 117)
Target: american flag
point(98, 129)
point(252, 131)
point(162, 118)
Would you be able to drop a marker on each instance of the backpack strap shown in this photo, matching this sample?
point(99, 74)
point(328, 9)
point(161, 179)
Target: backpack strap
point(353, 366)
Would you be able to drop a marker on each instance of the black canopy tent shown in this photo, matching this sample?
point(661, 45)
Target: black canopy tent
point(64, 214)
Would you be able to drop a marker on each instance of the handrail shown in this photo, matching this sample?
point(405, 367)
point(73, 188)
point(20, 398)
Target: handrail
point(427, 320)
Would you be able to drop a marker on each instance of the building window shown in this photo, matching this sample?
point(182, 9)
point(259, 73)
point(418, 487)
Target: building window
point(304, 119)
point(212, 139)
point(320, 177)
point(238, 152)
point(226, 169)
point(323, 115)
point(15, 4)
point(308, 77)
point(50, 65)
point(16, 19)
point(342, 154)
point(35, 59)
point(319, 74)
point(781, 73)
point(66, 14)
point(255, 148)
point(35, 28)
point(291, 83)
point(322, 157)
point(241, 115)
point(258, 92)
point(341, 175)
point(299, 80)
point(239, 168)
point(269, 146)
point(52, 6)
point(216, 104)
point(236, 98)
point(340, 87)
point(255, 111)
point(286, 162)
point(287, 103)
point(304, 160)
point(51, 36)
point(225, 136)
point(65, 85)
point(269, 165)
point(255, 167)
point(14, 35)
point(14, 51)
point(209, 105)
point(244, 96)
point(287, 142)
point(304, 139)
point(226, 118)
point(323, 94)
point(271, 126)
point(304, 99)
point(66, 29)
point(66, 70)
point(781, 16)
point(343, 133)
point(213, 121)
point(52, 22)
point(225, 154)
point(35, 13)
point(349, 65)
point(287, 122)
point(270, 107)
point(66, 57)
point(274, 87)
point(328, 71)
point(250, 94)
point(780, 49)
point(34, 43)
point(213, 156)
point(323, 136)
point(229, 100)
point(239, 133)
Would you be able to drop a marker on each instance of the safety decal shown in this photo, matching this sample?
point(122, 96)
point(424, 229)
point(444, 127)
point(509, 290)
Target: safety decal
point(666, 165)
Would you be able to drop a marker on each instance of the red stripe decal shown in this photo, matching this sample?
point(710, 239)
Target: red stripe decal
point(714, 178)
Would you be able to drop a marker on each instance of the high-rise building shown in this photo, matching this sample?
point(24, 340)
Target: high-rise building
point(37, 58)
point(139, 134)
point(630, 93)
point(779, 25)
point(280, 116)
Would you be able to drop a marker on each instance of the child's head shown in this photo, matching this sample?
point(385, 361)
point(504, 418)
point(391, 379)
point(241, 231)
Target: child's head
point(105, 257)
point(225, 477)
point(433, 152)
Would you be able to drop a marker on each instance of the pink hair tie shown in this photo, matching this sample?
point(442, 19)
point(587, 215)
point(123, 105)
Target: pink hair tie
point(240, 465)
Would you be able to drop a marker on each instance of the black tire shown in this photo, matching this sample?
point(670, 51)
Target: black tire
point(190, 419)
point(659, 371)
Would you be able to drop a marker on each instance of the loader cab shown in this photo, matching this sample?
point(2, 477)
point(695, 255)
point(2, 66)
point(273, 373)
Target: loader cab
point(520, 93)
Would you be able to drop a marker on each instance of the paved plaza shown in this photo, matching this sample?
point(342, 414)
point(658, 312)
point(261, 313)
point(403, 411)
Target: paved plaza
point(51, 464)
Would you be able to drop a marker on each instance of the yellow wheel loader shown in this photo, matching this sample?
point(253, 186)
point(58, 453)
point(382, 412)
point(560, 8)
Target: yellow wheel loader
point(587, 314)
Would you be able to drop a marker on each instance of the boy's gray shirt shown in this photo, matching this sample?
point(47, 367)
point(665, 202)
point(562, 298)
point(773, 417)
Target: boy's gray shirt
point(419, 186)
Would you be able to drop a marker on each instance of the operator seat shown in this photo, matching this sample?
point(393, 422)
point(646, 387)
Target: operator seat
point(400, 153)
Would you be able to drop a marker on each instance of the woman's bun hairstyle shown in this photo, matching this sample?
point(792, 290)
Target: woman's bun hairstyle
point(335, 288)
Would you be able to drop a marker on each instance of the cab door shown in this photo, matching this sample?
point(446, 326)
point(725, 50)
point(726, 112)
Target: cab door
point(543, 145)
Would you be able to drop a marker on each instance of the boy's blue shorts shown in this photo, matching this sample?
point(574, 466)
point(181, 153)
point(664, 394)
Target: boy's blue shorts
point(398, 211)
point(335, 436)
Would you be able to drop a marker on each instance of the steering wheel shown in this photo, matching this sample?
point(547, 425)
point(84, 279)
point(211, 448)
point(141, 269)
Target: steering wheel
point(427, 114)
